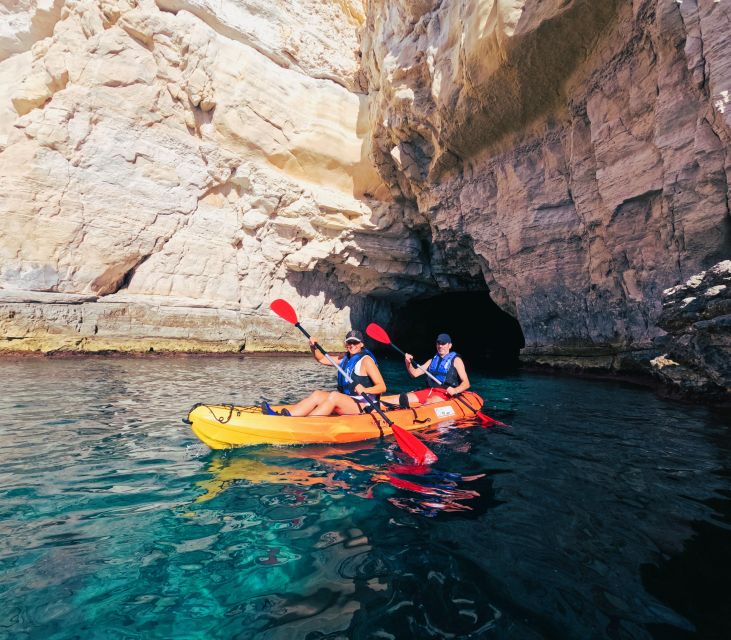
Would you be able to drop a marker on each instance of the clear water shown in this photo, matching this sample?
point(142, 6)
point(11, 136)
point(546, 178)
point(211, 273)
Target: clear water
point(601, 512)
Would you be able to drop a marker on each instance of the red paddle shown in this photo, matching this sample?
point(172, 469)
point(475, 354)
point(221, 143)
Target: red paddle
point(379, 334)
point(410, 444)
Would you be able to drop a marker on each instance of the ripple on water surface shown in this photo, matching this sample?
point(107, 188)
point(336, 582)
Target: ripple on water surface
point(601, 511)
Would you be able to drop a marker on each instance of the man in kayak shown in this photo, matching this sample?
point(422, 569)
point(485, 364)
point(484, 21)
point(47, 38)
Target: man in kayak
point(446, 366)
point(360, 364)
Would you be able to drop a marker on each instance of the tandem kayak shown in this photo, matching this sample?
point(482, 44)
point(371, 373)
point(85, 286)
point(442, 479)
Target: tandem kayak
point(226, 426)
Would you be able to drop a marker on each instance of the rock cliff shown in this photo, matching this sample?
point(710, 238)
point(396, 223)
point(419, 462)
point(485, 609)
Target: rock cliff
point(580, 149)
point(172, 166)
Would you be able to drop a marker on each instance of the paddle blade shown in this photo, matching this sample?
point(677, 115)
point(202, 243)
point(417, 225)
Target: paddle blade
point(377, 333)
point(284, 310)
point(412, 446)
point(487, 421)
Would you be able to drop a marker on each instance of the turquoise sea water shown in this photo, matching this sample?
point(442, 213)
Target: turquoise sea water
point(601, 512)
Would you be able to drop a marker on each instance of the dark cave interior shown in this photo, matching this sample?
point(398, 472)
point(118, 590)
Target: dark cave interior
point(481, 332)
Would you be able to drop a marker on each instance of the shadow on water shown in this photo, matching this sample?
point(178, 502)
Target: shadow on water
point(695, 581)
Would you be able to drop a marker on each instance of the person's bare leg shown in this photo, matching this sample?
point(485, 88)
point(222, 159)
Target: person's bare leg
point(345, 405)
point(435, 397)
point(337, 402)
point(413, 400)
point(305, 407)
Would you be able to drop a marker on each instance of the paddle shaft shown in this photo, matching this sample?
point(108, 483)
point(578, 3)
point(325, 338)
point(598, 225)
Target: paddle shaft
point(418, 366)
point(375, 406)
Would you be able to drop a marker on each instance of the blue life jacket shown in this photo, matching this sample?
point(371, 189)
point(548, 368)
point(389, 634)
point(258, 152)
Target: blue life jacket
point(443, 370)
point(347, 364)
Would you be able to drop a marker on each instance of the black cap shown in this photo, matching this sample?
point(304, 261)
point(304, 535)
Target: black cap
point(354, 336)
point(444, 338)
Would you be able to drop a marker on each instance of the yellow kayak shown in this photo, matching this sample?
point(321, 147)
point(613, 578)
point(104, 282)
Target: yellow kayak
point(226, 426)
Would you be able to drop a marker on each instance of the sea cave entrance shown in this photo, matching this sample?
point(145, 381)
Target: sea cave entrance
point(481, 331)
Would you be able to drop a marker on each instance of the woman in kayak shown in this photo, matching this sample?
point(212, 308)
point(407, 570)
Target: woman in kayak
point(446, 366)
point(360, 364)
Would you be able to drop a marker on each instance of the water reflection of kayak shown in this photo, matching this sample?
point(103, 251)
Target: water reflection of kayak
point(274, 470)
point(303, 475)
point(226, 426)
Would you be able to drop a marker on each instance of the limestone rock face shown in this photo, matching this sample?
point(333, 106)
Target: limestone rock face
point(697, 349)
point(313, 37)
point(579, 149)
point(169, 167)
point(25, 22)
point(168, 157)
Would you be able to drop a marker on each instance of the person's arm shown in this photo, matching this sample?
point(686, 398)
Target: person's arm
point(371, 369)
point(414, 370)
point(319, 357)
point(465, 381)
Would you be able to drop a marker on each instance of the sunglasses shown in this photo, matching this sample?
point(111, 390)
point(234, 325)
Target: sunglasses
point(352, 344)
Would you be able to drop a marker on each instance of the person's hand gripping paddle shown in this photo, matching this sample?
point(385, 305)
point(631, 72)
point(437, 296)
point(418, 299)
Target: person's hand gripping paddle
point(409, 444)
point(379, 334)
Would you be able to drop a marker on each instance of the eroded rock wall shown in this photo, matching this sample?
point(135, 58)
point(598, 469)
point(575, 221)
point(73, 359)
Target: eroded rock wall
point(580, 148)
point(173, 166)
point(170, 167)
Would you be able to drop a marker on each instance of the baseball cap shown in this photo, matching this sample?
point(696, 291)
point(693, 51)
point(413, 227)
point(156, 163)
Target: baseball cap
point(444, 338)
point(354, 336)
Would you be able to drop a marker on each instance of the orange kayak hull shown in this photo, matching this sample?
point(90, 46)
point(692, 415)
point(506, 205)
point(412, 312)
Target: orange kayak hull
point(228, 426)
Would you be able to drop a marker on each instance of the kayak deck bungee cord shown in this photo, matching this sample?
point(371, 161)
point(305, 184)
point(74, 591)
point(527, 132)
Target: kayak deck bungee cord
point(227, 426)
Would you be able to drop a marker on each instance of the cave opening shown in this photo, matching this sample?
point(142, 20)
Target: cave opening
point(481, 331)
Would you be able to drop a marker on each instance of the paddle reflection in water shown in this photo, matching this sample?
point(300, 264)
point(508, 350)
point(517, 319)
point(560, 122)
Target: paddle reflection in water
point(429, 491)
point(419, 489)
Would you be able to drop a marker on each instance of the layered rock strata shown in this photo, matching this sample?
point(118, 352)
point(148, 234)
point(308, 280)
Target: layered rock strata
point(580, 149)
point(169, 168)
